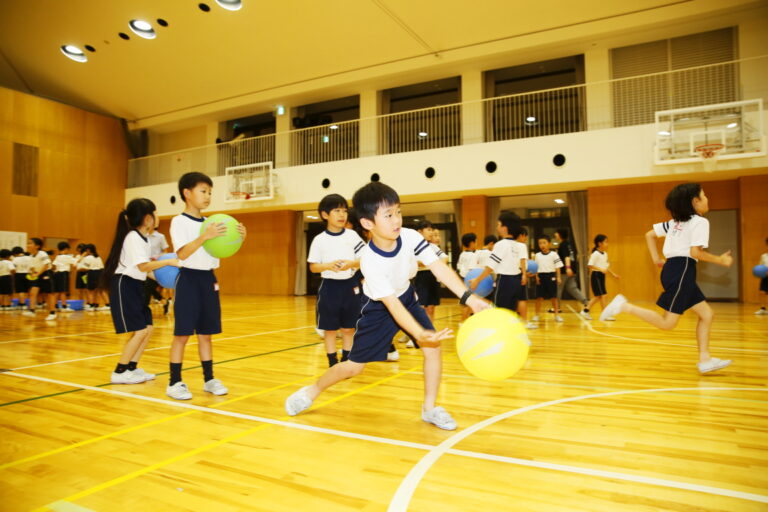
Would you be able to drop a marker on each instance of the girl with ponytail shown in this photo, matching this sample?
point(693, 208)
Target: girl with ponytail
point(124, 274)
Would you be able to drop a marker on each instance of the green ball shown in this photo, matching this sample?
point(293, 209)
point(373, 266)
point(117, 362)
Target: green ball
point(227, 244)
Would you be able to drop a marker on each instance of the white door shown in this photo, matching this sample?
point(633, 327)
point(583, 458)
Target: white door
point(715, 281)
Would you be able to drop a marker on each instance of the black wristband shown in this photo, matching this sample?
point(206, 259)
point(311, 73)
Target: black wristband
point(463, 299)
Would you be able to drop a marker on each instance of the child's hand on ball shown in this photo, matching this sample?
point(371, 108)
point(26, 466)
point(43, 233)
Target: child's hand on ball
point(241, 229)
point(478, 303)
point(215, 229)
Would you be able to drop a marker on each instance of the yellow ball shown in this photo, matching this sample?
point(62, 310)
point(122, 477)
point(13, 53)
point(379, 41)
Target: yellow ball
point(493, 344)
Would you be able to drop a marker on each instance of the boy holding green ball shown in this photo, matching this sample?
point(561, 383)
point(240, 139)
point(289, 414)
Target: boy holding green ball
point(197, 309)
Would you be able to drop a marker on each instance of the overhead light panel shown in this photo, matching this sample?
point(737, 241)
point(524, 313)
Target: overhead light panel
point(423, 134)
point(142, 29)
point(334, 127)
point(74, 53)
point(230, 5)
point(732, 125)
point(559, 201)
point(664, 133)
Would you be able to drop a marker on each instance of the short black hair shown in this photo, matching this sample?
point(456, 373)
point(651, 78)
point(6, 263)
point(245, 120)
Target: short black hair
point(63, 245)
point(490, 239)
point(370, 197)
point(545, 237)
point(511, 221)
point(520, 230)
point(5, 253)
point(190, 180)
point(17, 250)
point(330, 202)
point(563, 233)
point(422, 224)
point(468, 238)
point(38, 242)
point(679, 201)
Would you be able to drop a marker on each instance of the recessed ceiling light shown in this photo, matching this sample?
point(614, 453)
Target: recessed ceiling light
point(664, 133)
point(334, 127)
point(559, 201)
point(142, 29)
point(732, 125)
point(230, 5)
point(530, 119)
point(74, 53)
point(423, 134)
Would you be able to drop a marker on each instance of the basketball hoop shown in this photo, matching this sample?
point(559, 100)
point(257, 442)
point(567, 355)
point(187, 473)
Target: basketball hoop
point(235, 195)
point(709, 154)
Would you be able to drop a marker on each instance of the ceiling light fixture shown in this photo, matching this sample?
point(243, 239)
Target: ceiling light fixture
point(423, 134)
point(334, 127)
point(530, 119)
point(230, 5)
point(142, 29)
point(732, 125)
point(664, 133)
point(74, 53)
point(559, 201)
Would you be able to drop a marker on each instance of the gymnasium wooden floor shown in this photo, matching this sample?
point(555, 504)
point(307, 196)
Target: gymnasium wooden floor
point(608, 417)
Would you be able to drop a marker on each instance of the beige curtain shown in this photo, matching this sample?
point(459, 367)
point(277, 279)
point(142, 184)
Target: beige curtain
point(577, 209)
point(300, 288)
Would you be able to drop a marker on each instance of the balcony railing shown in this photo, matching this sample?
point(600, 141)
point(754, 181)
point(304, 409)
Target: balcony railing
point(591, 106)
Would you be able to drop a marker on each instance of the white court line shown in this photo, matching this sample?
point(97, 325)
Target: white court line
point(589, 326)
point(404, 493)
point(445, 447)
point(54, 337)
point(159, 348)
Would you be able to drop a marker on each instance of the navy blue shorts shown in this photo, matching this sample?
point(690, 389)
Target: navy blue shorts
point(376, 327)
point(764, 285)
point(427, 288)
point(6, 285)
point(94, 276)
point(547, 286)
point(597, 280)
point(338, 304)
point(44, 282)
point(678, 277)
point(509, 291)
point(61, 282)
point(126, 299)
point(196, 303)
point(21, 283)
point(79, 282)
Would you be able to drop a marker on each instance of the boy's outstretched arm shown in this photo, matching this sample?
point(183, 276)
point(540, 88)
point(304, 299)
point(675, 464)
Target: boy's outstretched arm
point(650, 240)
point(451, 279)
point(404, 319)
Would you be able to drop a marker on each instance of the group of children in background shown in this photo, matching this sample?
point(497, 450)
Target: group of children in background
point(37, 278)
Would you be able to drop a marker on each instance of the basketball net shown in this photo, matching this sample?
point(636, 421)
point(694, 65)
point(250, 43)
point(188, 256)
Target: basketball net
point(709, 154)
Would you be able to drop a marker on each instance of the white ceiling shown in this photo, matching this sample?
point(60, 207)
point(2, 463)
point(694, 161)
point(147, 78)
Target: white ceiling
point(221, 61)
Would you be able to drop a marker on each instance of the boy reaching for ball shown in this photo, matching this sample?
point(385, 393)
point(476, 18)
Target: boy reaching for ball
point(390, 302)
point(197, 309)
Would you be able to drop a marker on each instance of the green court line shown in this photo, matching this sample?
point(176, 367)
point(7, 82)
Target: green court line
point(161, 373)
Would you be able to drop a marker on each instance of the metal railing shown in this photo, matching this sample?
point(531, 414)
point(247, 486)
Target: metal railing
point(596, 105)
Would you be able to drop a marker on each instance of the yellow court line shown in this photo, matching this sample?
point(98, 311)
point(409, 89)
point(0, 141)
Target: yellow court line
point(139, 427)
point(233, 437)
point(155, 466)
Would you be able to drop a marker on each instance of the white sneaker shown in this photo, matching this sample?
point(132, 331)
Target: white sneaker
point(320, 332)
point(393, 356)
point(89, 308)
point(610, 319)
point(28, 312)
point(535, 318)
point(103, 308)
point(127, 377)
point(585, 315)
point(558, 318)
point(761, 311)
point(66, 310)
point(410, 344)
point(439, 417)
point(51, 316)
point(531, 325)
point(713, 364)
point(147, 376)
point(215, 387)
point(297, 402)
point(178, 391)
point(613, 308)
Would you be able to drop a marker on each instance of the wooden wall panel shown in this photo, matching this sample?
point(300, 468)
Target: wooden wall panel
point(474, 217)
point(82, 170)
point(266, 264)
point(753, 218)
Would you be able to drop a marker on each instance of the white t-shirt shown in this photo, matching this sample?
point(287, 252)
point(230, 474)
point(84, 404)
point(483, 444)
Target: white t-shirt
point(506, 256)
point(157, 244)
point(388, 273)
point(135, 251)
point(548, 263)
point(40, 261)
point(439, 252)
point(681, 236)
point(6, 267)
point(482, 256)
point(22, 263)
point(79, 262)
point(599, 260)
point(328, 246)
point(184, 229)
point(63, 262)
point(764, 259)
point(467, 261)
point(91, 262)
